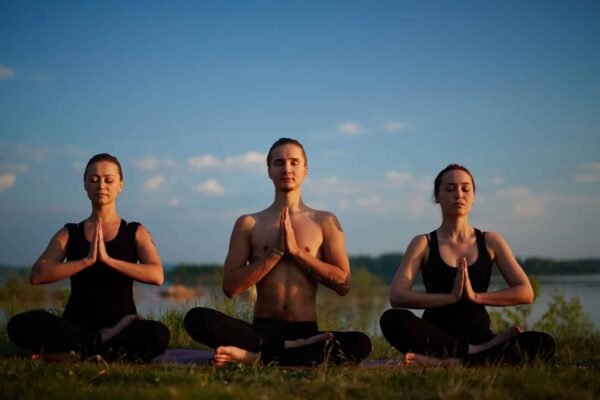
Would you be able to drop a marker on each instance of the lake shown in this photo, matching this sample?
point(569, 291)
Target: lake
point(586, 287)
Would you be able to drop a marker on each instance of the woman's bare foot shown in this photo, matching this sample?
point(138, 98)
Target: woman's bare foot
point(108, 333)
point(500, 338)
point(230, 354)
point(420, 360)
point(322, 337)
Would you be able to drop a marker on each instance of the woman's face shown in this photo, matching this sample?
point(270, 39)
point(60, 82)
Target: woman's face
point(103, 183)
point(456, 194)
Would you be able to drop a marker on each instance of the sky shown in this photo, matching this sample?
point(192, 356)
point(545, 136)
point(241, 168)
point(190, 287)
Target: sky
point(190, 95)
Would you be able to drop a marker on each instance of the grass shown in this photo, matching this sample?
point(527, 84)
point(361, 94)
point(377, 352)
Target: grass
point(574, 372)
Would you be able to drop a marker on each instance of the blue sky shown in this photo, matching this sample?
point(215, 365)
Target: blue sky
point(190, 95)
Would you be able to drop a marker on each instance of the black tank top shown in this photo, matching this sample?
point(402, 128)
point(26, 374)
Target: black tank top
point(462, 319)
point(100, 295)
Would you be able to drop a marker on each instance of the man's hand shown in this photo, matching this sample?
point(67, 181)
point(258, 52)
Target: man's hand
point(291, 247)
point(279, 246)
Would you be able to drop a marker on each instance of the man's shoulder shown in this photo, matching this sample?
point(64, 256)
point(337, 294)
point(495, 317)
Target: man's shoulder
point(325, 219)
point(246, 221)
point(250, 220)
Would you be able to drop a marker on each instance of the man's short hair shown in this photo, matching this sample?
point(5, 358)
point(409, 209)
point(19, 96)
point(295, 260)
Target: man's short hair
point(281, 142)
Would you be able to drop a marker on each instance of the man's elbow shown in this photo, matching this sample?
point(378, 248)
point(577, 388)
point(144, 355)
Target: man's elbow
point(229, 291)
point(34, 279)
point(529, 297)
point(343, 287)
point(394, 302)
point(159, 280)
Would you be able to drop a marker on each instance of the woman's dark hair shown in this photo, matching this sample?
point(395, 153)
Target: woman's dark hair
point(103, 157)
point(281, 142)
point(451, 167)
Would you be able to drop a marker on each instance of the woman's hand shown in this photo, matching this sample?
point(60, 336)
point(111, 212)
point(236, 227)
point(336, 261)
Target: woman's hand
point(459, 282)
point(468, 292)
point(103, 256)
point(93, 252)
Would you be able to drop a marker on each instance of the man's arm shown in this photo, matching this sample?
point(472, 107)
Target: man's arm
point(238, 275)
point(334, 272)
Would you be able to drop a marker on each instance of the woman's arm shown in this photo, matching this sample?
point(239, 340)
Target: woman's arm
point(519, 290)
point(401, 292)
point(148, 270)
point(49, 267)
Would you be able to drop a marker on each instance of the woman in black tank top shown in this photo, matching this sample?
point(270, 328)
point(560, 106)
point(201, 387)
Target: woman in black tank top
point(102, 254)
point(456, 262)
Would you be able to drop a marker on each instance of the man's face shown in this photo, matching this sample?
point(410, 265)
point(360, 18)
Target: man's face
point(288, 167)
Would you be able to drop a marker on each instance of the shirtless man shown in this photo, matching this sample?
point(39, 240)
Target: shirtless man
point(285, 250)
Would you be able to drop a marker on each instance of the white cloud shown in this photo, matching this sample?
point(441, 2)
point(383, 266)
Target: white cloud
point(332, 180)
point(251, 160)
point(591, 166)
point(587, 178)
point(395, 126)
point(13, 167)
point(369, 201)
point(497, 180)
point(174, 203)
point(6, 72)
point(147, 163)
point(203, 162)
point(7, 181)
point(398, 178)
point(590, 174)
point(210, 187)
point(350, 128)
point(523, 202)
point(154, 183)
point(31, 153)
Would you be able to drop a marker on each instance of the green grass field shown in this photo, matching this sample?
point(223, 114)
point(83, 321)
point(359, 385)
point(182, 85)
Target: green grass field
point(573, 373)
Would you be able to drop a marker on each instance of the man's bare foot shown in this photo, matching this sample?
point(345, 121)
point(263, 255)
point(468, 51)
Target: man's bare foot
point(230, 354)
point(420, 360)
point(322, 337)
point(108, 333)
point(500, 338)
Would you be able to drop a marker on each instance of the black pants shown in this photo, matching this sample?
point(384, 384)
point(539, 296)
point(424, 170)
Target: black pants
point(409, 333)
point(267, 335)
point(41, 332)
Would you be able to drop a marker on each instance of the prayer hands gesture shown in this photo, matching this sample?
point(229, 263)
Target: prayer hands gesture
point(287, 235)
point(97, 252)
point(462, 284)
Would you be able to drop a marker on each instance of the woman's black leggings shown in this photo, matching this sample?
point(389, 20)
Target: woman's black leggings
point(409, 333)
point(41, 332)
point(267, 335)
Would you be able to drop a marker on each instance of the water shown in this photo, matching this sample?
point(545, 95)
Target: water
point(586, 287)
